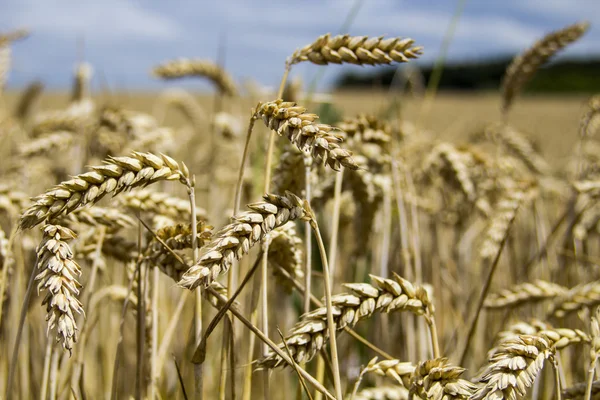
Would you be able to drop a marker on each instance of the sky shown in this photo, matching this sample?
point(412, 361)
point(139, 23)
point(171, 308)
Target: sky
point(124, 39)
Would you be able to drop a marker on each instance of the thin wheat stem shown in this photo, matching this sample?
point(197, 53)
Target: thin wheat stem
point(589, 382)
point(307, 237)
point(335, 222)
point(169, 333)
point(46, 371)
point(154, 344)
point(115, 375)
point(15, 355)
point(481, 300)
point(330, 321)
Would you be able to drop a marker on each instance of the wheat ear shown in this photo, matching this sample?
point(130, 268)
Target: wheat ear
point(236, 239)
point(58, 274)
point(525, 65)
point(118, 174)
point(300, 127)
point(182, 68)
point(581, 296)
point(359, 50)
point(519, 360)
point(386, 295)
point(525, 293)
point(158, 203)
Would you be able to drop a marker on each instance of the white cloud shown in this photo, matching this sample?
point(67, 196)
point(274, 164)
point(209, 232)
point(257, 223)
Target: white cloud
point(101, 21)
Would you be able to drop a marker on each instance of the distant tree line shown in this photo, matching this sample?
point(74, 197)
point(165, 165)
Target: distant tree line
point(561, 76)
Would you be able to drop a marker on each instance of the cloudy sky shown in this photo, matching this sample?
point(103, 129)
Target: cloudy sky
point(123, 39)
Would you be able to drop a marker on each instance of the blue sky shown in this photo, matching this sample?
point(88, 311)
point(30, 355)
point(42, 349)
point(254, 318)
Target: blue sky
point(123, 39)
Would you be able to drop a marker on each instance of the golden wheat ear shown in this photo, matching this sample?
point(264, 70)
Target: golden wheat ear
point(182, 68)
point(359, 50)
point(525, 65)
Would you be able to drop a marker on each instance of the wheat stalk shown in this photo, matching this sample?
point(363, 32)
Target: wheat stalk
point(118, 174)
point(293, 122)
point(183, 67)
point(525, 65)
point(310, 334)
point(236, 239)
point(359, 50)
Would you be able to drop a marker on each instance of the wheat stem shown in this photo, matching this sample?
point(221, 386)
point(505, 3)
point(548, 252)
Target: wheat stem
point(330, 321)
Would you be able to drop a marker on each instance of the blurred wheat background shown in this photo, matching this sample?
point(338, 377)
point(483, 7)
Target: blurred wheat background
point(169, 229)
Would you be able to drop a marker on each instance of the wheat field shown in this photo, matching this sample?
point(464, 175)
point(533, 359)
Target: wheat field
point(246, 243)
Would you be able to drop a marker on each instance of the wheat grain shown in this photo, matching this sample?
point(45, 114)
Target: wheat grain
point(310, 334)
point(236, 239)
point(118, 174)
point(525, 65)
point(395, 369)
point(293, 122)
point(182, 68)
point(359, 50)
point(58, 274)
point(438, 379)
